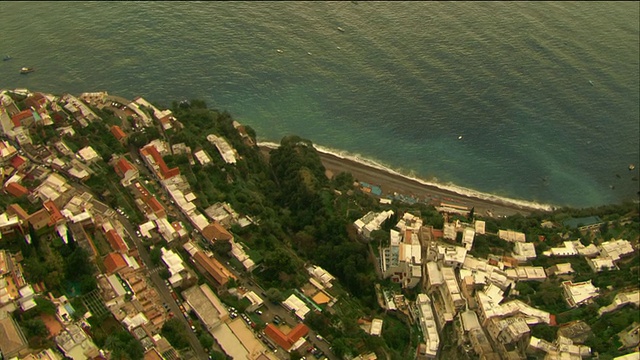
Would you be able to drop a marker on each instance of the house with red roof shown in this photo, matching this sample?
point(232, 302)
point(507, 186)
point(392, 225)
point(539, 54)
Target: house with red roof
point(153, 158)
point(126, 171)
point(36, 101)
point(16, 189)
point(156, 207)
point(55, 216)
point(286, 341)
point(119, 134)
point(113, 262)
point(23, 118)
point(18, 162)
point(215, 231)
point(116, 241)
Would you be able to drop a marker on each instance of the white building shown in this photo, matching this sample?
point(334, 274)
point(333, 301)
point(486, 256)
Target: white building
point(202, 157)
point(428, 325)
point(175, 265)
point(228, 153)
point(527, 273)
point(452, 255)
point(402, 260)
point(87, 154)
point(620, 300)
point(371, 222)
point(238, 252)
point(321, 275)
point(579, 293)
point(511, 236)
point(524, 251)
point(479, 227)
point(293, 303)
point(376, 327)
point(615, 249)
point(255, 300)
point(467, 238)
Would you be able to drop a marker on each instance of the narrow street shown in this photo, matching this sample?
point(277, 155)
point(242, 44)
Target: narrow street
point(163, 290)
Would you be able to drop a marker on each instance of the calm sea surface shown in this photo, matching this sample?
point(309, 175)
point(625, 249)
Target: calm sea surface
point(400, 85)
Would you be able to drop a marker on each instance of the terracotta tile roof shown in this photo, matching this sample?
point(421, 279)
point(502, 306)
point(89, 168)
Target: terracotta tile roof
point(54, 213)
point(122, 166)
point(114, 262)
point(155, 205)
point(286, 341)
point(17, 161)
point(116, 242)
point(215, 231)
point(117, 132)
point(165, 172)
point(16, 189)
point(219, 273)
point(18, 210)
point(17, 118)
point(39, 218)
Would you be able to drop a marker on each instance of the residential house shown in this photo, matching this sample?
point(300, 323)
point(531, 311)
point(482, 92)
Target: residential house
point(214, 232)
point(579, 293)
point(16, 189)
point(152, 157)
point(119, 134)
point(286, 341)
point(126, 171)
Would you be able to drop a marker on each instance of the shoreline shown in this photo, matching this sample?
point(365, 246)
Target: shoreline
point(392, 182)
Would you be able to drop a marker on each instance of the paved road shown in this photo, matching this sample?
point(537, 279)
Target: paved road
point(162, 288)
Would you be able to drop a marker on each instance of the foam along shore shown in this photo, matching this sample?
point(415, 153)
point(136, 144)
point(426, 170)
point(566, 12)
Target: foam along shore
point(391, 181)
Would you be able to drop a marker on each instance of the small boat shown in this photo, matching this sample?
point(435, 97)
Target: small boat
point(460, 137)
point(26, 70)
point(309, 53)
point(631, 167)
point(338, 47)
point(591, 82)
point(279, 51)
point(340, 29)
point(6, 58)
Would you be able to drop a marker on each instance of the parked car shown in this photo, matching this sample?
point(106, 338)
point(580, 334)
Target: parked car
point(259, 312)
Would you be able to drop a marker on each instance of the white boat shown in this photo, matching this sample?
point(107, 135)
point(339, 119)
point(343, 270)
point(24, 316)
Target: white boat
point(279, 51)
point(340, 29)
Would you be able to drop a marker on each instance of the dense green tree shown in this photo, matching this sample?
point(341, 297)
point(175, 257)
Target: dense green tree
point(175, 332)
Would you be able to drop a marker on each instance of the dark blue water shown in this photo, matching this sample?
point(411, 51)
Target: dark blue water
point(399, 86)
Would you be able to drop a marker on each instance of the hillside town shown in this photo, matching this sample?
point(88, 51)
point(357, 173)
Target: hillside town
point(95, 175)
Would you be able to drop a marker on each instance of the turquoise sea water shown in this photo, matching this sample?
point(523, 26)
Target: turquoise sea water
point(399, 85)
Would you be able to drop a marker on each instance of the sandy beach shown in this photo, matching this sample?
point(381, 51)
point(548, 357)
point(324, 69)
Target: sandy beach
point(395, 184)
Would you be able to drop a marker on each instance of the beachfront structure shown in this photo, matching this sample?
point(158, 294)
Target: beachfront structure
point(402, 260)
point(479, 226)
point(228, 153)
point(370, 222)
point(428, 325)
point(409, 222)
point(511, 236)
point(579, 293)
